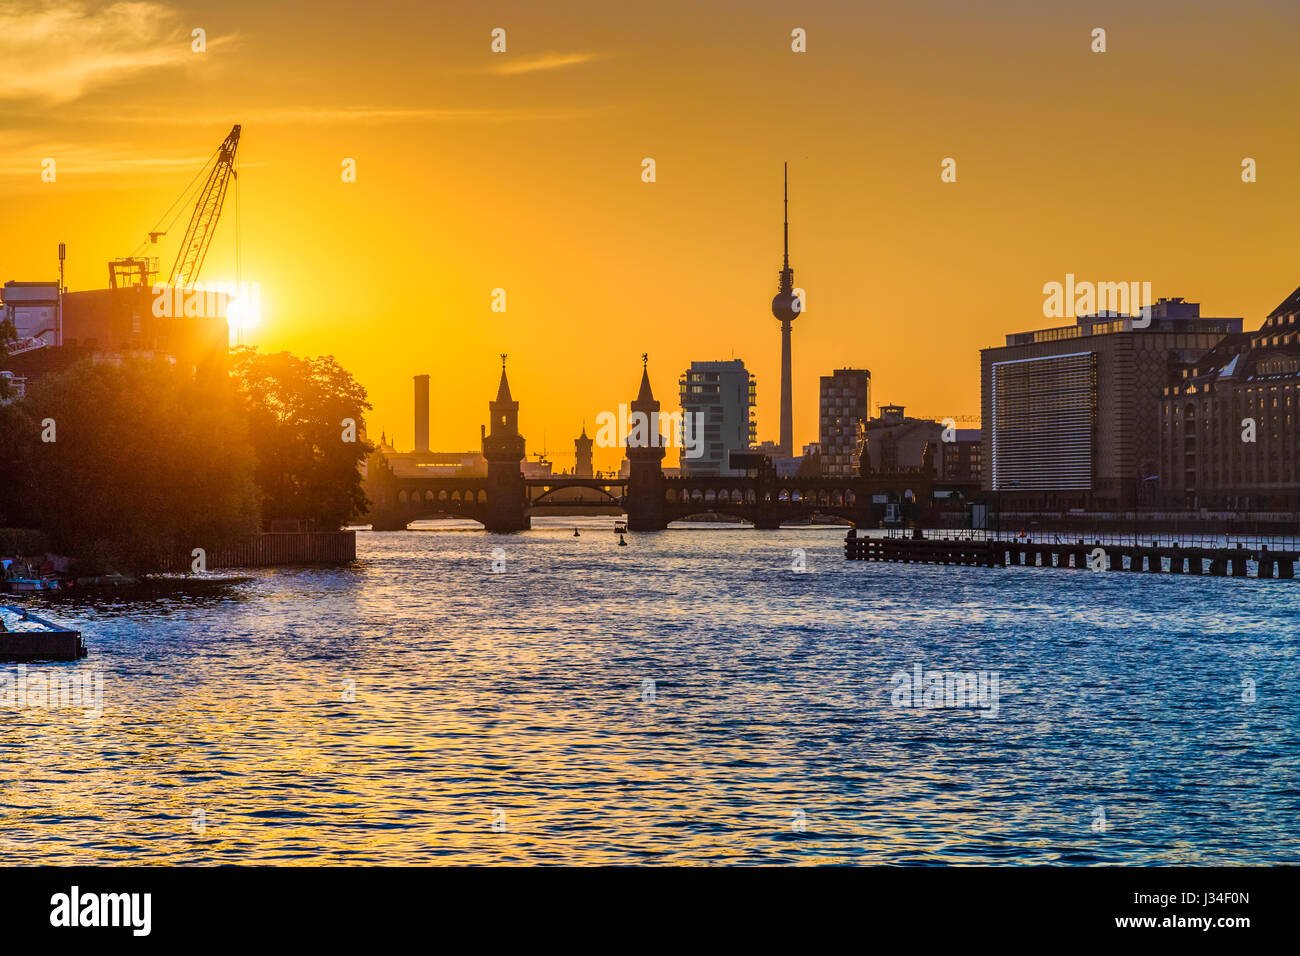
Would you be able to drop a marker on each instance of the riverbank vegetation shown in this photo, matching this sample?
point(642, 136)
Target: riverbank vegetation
point(123, 466)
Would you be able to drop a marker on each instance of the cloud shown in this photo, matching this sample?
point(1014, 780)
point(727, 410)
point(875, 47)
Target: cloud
point(56, 52)
point(326, 115)
point(79, 161)
point(542, 61)
point(312, 114)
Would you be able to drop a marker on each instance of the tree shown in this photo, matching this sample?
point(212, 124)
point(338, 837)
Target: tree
point(13, 466)
point(308, 456)
point(7, 334)
point(11, 463)
point(129, 466)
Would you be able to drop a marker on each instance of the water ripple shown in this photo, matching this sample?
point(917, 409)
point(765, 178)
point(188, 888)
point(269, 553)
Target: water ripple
point(419, 708)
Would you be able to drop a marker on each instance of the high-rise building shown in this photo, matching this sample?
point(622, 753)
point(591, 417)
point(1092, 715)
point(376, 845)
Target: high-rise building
point(1230, 423)
point(786, 306)
point(1071, 415)
point(722, 396)
point(845, 403)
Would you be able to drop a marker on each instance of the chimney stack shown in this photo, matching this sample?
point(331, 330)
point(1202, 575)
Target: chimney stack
point(421, 413)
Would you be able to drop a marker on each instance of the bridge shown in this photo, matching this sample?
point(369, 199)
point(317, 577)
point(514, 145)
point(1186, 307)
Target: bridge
point(504, 500)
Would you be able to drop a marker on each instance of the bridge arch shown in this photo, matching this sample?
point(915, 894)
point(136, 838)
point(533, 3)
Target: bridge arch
point(604, 495)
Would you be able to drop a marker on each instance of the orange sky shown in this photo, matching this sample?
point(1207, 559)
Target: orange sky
point(523, 171)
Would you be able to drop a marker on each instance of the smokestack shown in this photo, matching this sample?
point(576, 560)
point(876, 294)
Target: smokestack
point(421, 413)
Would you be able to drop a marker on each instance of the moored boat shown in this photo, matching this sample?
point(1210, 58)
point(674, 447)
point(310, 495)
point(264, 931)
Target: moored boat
point(33, 584)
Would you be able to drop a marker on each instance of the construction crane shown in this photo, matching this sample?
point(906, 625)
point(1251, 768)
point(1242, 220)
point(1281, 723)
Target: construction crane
point(198, 235)
point(138, 269)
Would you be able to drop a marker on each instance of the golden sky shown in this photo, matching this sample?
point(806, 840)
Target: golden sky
point(522, 171)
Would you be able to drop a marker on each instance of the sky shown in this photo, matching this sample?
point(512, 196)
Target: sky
point(522, 171)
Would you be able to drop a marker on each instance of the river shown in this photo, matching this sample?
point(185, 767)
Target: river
point(691, 698)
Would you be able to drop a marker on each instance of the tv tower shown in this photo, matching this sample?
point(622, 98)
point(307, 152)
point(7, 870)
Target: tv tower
point(785, 306)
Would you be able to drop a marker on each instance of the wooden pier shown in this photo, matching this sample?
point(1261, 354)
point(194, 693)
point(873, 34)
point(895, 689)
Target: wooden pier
point(1154, 558)
point(26, 637)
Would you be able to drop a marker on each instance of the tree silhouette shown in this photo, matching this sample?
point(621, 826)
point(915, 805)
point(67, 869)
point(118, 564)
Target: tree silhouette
point(307, 470)
point(147, 462)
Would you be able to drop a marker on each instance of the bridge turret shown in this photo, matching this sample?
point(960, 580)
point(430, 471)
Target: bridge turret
point(503, 441)
point(503, 448)
point(582, 466)
point(645, 453)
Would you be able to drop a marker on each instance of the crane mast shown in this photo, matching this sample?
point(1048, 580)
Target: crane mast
point(207, 209)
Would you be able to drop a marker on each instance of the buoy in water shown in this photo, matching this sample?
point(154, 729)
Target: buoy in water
point(621, 542)
point(575, 533)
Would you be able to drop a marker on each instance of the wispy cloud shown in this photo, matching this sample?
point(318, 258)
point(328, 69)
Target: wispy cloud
point(542, 61)
point(329, 115)
point(78, 161)
point(55, 52)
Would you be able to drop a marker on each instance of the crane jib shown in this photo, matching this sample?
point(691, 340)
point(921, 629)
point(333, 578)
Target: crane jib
point(207, 210)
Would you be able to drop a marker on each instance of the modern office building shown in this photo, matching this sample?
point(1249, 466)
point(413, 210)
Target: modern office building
point(722, 395)
point(1230, 423)
point(1071, 415)
point(845, 403)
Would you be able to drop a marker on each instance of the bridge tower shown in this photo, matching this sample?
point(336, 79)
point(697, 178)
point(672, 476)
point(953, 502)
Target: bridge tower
point(503, 447)
point(582, 467)
point(645, 453)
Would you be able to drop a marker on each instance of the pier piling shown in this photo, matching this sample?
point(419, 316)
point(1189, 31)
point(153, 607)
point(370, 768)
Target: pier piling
point(1077, 555)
